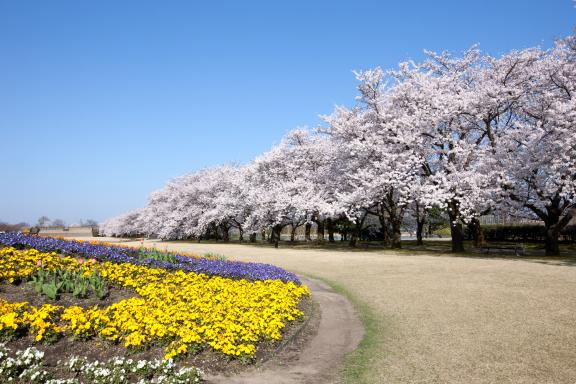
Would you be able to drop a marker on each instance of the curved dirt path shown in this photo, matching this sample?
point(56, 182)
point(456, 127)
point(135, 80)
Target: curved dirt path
point(339, 332)
point(444, 319)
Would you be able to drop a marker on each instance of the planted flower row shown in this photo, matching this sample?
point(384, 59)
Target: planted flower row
point(223, 268)
point(28, 366)
point(186, 311)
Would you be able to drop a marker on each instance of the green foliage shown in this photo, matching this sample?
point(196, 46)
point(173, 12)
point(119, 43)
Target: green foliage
point(524, 233)
point(514, 232)
point(52, 289)
point(156, 254)
point(98, 285)
point(52, 283)
point(214, 256)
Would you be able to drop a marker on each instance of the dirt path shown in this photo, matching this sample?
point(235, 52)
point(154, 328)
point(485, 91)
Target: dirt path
point(339, 333)
point(446, 319)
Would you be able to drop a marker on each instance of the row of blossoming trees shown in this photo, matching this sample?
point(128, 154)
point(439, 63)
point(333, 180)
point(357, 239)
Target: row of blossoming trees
point(468, 136)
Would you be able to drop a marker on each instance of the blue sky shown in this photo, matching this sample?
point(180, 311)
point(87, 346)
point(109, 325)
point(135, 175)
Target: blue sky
point(102, 102)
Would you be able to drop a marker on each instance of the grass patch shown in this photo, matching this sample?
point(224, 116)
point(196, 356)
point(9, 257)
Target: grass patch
point(358, 364)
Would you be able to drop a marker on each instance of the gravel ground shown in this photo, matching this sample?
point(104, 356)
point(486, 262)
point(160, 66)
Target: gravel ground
point(447, 319)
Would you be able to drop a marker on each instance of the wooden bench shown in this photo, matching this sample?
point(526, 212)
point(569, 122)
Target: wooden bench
point(518, 249)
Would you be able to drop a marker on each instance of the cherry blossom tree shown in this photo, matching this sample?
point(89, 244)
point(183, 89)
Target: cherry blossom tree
point(464, 135)
point(382, 169)
point(538, 158)
point(288, 184)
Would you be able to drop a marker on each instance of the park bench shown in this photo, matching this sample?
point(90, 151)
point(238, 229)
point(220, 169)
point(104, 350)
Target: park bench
point(518, 249)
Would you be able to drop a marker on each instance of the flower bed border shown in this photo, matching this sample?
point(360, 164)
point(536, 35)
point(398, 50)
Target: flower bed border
point(229, 269)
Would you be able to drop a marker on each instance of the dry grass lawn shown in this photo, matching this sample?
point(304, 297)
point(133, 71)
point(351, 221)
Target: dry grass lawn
point(444, 319)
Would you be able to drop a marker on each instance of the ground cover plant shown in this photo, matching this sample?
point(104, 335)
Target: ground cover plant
point(181, 310)
point(27, 366)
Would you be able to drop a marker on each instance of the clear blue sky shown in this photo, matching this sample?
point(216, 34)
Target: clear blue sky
point(102, 102)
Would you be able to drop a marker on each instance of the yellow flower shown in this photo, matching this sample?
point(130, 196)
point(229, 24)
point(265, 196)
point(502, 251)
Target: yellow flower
point(187, 311)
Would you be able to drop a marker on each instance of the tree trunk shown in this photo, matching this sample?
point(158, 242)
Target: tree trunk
point(330, 227)
point(395, 216)
point(384, 228)
point(455, 229)
point(215, 234)
point(293, 233)
point(477, 233)
point(355, 235)
point(253, 237)
point(320, 231)
point(307, 231)
point(419, 229)
point(263, 235)
point(241, 231)
point(553, 228)
point(555, 219)
point(420, 221)
point(275, 237)
point(225, 233)
point(552, 243)
point(395, 239)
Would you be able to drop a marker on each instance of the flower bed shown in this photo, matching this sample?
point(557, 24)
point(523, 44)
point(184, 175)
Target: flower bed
point(28, 366)
point(184, 312)
point(188, 309)
point(231, 269)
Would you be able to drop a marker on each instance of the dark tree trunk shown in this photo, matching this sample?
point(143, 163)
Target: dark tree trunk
point(552, 243)
point(253, 237)
point(241, 231)
point(420, 222)
point(384, 228)
point(477, 233)
point(356, 231)
point(395, 239)
point(263, 235)
point(293, 233)
point(555, 217)
point(353, 239)
point(395, 217)
point(419, 230)
point(320, 231)
point(225, 233)
point(307, 231)
point(275, 237)
point(554, 224)
point(214, 233)
point(330, 227)
point(455, 228)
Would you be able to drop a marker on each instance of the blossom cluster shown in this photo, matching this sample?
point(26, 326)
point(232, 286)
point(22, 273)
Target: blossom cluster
point(230, 269)
point(187, 311)
point(27, 366)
